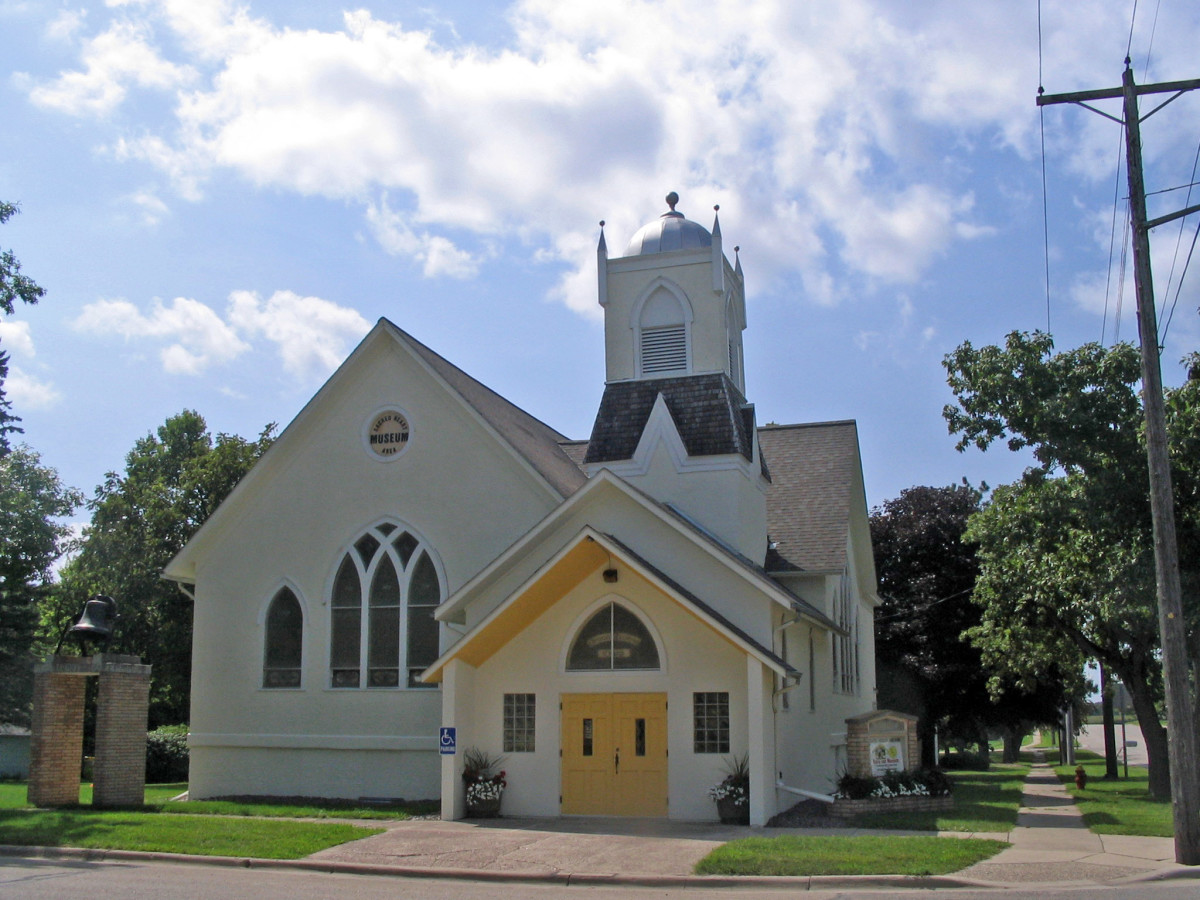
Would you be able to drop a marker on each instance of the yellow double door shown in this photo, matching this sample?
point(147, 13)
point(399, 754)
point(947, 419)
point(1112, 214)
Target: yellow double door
point(614, 754)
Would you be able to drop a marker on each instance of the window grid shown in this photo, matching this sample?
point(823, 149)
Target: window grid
point(520, 720)
point(384, 597)
point(710, 716)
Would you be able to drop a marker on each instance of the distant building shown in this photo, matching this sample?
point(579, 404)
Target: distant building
point(14, 751)
point(613, 616)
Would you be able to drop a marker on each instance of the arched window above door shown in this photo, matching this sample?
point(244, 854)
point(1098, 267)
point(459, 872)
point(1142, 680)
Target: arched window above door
point(613, 638)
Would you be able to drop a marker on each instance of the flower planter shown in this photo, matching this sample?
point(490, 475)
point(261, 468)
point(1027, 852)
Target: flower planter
point(483, 809)
point(733, 812)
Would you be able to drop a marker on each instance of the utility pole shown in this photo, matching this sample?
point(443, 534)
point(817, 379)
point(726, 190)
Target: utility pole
point(1182, 742)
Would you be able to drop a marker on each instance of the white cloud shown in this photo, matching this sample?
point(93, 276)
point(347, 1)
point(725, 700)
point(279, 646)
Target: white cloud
point(151, 209)
point(312, 334)
point(66, 24)
point(200, 338)
point(26, 391)
point(112, 61)
point(15, 337)
point(437, 254)
point(821, 128)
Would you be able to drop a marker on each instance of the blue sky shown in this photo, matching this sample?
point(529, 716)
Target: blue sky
point(221, 198)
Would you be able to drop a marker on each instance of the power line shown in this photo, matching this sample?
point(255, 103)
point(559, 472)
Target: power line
point(1045, 201)
point(1178, 240)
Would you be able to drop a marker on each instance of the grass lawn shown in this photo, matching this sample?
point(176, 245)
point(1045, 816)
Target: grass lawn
point(1117, 807)
point(158, 799)
point(202, 835)
point(178, 827)
point(832, 855)
point(983, 801)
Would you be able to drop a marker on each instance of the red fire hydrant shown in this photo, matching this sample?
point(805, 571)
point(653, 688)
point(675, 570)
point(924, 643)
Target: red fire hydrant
point(1080, 778)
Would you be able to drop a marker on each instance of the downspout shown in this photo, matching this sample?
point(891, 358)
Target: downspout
point(811, 795)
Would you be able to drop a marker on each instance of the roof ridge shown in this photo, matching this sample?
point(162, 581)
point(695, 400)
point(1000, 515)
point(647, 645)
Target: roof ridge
point(474, 380)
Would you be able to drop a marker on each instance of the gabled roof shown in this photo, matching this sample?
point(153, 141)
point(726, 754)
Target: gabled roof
point(564, 569)
point(533, 439)
point(814, 472)
point(814, 469)
point(755, 576)
point(530, 440)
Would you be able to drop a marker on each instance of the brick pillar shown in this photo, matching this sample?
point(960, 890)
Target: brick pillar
point(56, 745)
point(122, 707)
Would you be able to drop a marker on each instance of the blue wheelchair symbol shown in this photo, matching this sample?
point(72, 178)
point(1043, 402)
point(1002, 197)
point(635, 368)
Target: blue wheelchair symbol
point(448, 741)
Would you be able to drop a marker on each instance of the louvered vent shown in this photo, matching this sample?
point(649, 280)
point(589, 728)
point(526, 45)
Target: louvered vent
point(664, 349)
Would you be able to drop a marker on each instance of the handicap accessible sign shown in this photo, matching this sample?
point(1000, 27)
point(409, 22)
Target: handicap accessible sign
point(448, 741)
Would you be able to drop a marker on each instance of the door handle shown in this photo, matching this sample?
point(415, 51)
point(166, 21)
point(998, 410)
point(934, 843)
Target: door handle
point(617, 761)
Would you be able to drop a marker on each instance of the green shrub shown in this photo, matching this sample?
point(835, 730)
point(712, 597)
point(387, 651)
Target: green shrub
point(167, 754)
point(919, 783)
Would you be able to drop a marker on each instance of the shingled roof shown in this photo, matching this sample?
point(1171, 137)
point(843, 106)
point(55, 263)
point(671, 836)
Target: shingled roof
point(534, 440)
point(710, 413)
point(814, 468)
point(813, 471)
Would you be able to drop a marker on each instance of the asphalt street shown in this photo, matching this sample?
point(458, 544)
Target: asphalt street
point(25, 879)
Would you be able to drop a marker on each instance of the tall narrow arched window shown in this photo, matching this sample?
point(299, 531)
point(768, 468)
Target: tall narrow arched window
point(613, 638)
point(284, 643)
point(392, 575)
point(662, 334)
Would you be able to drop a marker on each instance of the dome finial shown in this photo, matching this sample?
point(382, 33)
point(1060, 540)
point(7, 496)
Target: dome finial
point(672, 199)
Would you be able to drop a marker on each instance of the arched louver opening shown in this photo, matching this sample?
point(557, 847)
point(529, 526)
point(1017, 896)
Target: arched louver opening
point(393, 575)
point(662, 339)
point(284, 645)
point(613, 638)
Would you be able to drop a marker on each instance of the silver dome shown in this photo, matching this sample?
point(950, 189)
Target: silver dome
point(671, 231)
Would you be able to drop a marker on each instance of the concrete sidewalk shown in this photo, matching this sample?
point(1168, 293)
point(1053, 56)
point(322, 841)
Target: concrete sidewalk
point(1050, 844)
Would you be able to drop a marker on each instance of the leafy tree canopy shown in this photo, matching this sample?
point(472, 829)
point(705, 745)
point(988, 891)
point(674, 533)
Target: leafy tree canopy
point(173, 481)
point(927, 572)
point(13, 286)
point(1066, 554)
point(32, 537)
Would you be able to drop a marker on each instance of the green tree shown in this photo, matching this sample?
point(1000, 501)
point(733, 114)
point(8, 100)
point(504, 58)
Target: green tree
point(173, 481)
point(1067, 553)
point(927, 572)
point(32, 501)
point(13, 286)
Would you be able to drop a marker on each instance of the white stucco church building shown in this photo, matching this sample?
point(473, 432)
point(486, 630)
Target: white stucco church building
point(614, 616)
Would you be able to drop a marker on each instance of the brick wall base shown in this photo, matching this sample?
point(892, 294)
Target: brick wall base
point(122, 708)
point(845, 809)
point(56, 741)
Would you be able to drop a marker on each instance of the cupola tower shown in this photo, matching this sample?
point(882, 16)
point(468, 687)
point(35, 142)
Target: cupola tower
point(674, 419)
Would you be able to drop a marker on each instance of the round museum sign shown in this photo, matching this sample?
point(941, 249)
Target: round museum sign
point(387, 433)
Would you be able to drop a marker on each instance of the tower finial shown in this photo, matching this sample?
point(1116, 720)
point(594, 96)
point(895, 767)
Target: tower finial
point(672, 199)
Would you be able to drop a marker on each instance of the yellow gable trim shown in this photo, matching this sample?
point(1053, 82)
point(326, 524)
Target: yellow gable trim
point(561, 577)
point(508, 620)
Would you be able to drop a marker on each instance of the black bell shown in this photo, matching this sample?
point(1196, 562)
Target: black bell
point(96, 622)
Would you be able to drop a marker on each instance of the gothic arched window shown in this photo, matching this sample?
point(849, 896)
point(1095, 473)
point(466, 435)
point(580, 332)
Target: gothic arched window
point(284, 642)
point(613, 638)
point(390, 574)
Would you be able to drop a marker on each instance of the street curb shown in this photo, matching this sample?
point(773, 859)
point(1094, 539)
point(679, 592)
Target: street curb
point(804, 882)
